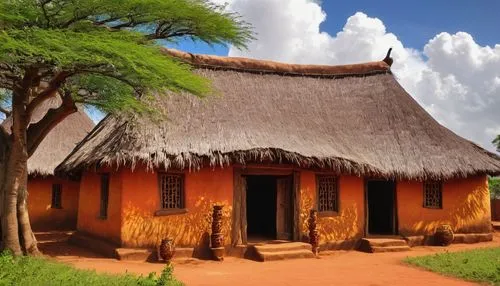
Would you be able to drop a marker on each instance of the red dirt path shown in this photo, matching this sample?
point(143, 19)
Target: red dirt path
point(336, 268)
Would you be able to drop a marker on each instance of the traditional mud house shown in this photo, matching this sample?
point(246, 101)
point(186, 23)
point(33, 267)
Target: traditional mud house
point(276, 141)
point(53, 201)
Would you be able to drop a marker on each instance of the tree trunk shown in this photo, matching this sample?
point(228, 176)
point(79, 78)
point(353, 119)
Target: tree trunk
point(27, 238)
point(13, 180)
point(16, 228)
point(15, 149)
point(3, 172)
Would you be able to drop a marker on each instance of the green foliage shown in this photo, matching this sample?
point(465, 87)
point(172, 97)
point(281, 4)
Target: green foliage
point(39, 271)
point(201, 19)
point(4, 96)
point(481, 265)
point(109, 49)
point(134, 66)
point(496, 142)
point(166, 277)
point(494, 185)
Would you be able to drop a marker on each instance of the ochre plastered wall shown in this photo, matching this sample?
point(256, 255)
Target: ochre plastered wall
point(466, 206)
point(89, 220)
point(348, 224)
point(42, 216)
point(203, 189)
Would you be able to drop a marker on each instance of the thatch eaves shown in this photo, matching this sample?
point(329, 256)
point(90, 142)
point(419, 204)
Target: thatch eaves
point(353, 119)
point(60, 141)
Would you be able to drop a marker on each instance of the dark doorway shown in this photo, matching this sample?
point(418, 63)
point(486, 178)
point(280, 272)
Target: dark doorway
point(381, 207)
point(261, 207)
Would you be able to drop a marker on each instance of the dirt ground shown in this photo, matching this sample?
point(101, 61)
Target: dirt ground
point(334, 268)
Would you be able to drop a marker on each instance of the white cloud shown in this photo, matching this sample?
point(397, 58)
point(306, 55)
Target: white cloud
point(454, 78)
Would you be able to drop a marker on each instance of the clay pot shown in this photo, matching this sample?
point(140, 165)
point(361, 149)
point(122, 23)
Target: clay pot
point(167, 249)
point(218, 253)
point(444, 235)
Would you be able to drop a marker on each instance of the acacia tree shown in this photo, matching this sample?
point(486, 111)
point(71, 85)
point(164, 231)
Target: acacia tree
point(103, 53)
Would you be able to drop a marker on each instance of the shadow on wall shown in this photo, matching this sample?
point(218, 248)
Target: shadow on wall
point(342, 227)
point(143, 229)
point(467, 213)
point(55, 220)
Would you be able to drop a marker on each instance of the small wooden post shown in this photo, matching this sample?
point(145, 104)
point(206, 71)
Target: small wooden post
point(313, 231)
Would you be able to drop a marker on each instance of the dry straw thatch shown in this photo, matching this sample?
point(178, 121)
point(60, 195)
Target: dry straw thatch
point(352, 119)
point(59, 142)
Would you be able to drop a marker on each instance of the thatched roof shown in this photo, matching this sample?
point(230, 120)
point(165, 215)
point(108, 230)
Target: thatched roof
point(59, 143)
point(353, 119)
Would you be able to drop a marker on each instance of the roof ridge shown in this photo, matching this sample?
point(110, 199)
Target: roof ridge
point(264, 66)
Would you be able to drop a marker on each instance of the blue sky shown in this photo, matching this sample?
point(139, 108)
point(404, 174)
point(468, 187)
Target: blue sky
point(413, 22)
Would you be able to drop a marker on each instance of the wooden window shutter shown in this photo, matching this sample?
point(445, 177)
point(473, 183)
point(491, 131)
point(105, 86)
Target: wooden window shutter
point(103, 212)
point(433, 195)
point(171, 191)
point(327, 191)
point(56, 196)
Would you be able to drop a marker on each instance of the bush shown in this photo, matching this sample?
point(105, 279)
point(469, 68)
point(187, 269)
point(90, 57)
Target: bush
point(494, 184)
point(41, 271)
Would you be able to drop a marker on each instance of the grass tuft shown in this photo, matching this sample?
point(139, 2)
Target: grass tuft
point(479, 265)
point(42, 271)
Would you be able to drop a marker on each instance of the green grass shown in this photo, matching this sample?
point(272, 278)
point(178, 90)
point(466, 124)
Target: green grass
point(41, 271)
point(480, 265)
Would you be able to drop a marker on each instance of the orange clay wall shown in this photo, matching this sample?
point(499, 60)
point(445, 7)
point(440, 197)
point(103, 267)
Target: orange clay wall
point(42, 216)
point(203, 189)
point(466, 206)
point(348, 224)
point(90, 202)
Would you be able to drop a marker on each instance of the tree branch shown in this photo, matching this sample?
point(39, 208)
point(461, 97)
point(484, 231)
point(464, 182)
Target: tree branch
point(77, 18)
point(7, 84)
point(113, 74)
point(3, 132)
point(48, 92)
point(5, 111)
point(8, 76)
point(38, 131)
point(167, 33)
point(74, 20)
point(45, 13)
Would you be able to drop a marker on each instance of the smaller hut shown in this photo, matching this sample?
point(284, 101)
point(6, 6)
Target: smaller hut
point(53, 201)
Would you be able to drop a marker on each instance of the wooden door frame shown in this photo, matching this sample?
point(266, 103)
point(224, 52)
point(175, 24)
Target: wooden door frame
point(239, 217)
point(286, 218)
point(395, 222)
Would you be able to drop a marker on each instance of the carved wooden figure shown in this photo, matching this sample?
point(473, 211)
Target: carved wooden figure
point(217, 238)
point(313, 232)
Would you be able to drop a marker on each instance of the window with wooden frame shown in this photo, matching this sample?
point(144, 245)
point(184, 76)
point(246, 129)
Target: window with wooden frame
point(171, 191)
point(56, 196)
point(327, 193)
point(103, 211)
point(433, 195)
